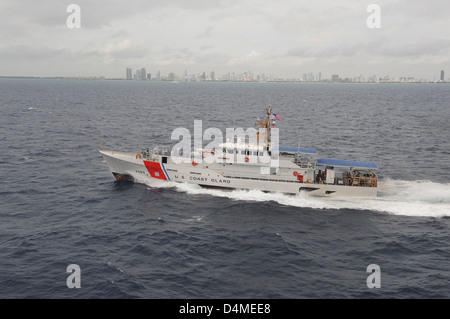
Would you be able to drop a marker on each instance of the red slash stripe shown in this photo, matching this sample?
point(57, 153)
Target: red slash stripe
point(155, 170)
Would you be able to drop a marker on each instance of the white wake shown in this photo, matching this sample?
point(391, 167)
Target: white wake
point(398, 197)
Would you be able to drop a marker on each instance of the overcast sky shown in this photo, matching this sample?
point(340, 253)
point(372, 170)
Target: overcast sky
point(285, 38)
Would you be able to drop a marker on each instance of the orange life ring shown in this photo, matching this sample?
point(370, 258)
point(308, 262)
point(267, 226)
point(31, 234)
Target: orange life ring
point(246, 159)
point(138, 155)
point(194, 163)
point(295, 173)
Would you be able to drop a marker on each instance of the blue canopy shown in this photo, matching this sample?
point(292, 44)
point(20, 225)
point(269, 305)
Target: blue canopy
point(342, 163)
point(288, 149)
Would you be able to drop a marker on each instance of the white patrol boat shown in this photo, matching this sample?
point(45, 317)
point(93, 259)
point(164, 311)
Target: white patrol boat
point(243, 165)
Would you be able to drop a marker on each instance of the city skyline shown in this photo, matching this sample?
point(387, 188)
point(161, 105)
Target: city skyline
point(284, 38)
point(140, 74)
point(249, 76)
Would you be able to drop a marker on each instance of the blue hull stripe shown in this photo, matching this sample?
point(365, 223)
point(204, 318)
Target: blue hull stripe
point(165, 172)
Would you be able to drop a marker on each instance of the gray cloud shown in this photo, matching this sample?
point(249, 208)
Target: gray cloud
point(206, 33)
point(419, 47)
point(286, 37)
point(21, 51)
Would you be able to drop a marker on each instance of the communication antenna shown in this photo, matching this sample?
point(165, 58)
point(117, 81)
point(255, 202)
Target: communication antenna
point(100, 143)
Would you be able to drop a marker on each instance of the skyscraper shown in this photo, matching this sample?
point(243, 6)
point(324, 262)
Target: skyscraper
point(442, 76)
point(129, 74)
point(137, 75)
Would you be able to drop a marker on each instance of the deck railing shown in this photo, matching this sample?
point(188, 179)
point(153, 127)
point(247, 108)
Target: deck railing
point(365, 181)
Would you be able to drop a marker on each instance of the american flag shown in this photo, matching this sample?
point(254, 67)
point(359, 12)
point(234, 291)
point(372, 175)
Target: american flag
point(277, 117)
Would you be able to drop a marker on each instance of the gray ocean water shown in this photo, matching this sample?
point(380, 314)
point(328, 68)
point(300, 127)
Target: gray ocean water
point(60, 205)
